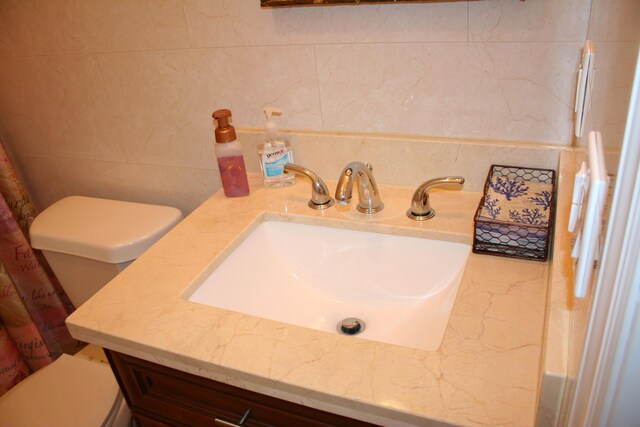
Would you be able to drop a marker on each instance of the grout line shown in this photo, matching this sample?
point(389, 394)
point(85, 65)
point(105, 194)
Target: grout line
point(442, 42)
point(468, 20)
point(122, 162)
point(186, 23)
point(315, 58)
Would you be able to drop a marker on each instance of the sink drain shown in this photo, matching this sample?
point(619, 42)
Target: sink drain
point(351, 326)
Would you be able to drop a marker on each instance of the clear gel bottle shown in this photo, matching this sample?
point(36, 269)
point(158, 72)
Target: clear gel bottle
point(274, 154)
point(230, 158)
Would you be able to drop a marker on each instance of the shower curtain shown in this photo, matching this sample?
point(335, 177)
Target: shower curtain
point(33, 305)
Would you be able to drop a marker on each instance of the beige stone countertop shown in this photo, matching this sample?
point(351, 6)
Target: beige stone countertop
point(486, 371)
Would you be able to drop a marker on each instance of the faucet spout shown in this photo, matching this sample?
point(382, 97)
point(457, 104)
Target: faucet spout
point(369, 196)
point(320, 196)
point(420, 209)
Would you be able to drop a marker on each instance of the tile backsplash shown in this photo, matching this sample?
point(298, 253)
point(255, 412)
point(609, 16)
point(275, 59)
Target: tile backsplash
point(114, 98)
point(401, 160)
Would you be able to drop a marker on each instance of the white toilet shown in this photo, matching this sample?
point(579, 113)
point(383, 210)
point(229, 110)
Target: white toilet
point(87, 242)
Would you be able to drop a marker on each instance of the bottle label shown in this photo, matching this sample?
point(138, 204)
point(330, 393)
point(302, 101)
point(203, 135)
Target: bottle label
point(234, 176)
point(274, 160)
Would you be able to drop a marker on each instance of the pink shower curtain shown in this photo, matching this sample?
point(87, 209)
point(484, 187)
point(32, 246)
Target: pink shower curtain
point(33, 306)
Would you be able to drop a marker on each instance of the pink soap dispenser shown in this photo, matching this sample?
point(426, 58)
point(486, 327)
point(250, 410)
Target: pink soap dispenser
point(230, 159)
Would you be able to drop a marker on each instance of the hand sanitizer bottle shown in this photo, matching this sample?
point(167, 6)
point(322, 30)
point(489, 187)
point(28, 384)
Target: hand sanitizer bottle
point(274, 154)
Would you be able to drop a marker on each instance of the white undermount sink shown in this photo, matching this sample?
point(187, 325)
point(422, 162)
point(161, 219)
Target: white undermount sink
point(403, 288)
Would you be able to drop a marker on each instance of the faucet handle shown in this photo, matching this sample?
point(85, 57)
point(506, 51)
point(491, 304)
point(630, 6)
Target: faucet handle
point(420, 209)
point(320, 196)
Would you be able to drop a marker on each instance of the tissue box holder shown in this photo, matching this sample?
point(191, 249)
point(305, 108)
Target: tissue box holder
point(516, 213)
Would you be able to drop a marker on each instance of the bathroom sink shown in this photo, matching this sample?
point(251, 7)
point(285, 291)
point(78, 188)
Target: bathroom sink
point(401, 288)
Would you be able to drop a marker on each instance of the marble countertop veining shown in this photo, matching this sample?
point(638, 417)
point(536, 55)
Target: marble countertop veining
point(485, 373)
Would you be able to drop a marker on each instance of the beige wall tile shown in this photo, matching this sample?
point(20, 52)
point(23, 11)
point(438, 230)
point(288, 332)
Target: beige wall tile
point(615, 20)
point(615, 66)
point(531, 20)
point(22, 107)
point(58, 105)
point(243, 23)
point(163, 100)
point(515, 91)
point(615, 34)
point(42, 178)
point(63, 26)
point(160, 102)
point(183, 188)
point(246, 79)
point(6, 47)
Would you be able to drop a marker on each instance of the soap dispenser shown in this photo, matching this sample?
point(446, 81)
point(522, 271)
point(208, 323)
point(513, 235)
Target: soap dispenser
point(274, 154)
point(230, 158)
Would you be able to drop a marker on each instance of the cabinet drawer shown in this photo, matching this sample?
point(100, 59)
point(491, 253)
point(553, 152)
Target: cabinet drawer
point(177, 398)
point(142, 421)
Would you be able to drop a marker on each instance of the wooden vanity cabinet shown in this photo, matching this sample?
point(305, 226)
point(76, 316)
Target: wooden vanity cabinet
point(159, 396)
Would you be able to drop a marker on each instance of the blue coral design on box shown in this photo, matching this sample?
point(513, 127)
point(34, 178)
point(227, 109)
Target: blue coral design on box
point(515, 200)
point(491, 206)
point(529, 216)
point(509, 188)
point(543, 199)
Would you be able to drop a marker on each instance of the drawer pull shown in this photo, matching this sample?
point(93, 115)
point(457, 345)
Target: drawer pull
point(225, 423)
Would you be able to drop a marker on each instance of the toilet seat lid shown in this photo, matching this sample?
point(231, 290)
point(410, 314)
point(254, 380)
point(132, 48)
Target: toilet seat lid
point(71, 392)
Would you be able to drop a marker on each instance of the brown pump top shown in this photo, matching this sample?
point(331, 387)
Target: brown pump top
point(224, 132)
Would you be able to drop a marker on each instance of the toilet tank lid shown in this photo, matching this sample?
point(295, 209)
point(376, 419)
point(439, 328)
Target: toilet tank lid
point(105, 230)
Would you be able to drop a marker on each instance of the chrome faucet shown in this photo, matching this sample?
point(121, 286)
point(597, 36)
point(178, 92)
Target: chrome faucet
point(369, 196)
point(420, 209)
point(320, 196)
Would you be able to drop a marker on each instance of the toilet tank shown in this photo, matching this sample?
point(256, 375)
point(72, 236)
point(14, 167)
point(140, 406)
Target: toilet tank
point(88, 241)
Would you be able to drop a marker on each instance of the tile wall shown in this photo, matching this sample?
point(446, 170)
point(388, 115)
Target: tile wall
point(114, 98)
